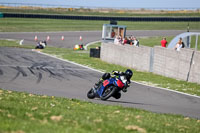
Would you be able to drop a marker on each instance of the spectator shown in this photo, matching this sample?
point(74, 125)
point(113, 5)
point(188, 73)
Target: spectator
point(179, 45)
point(135, 42)
point(112, 34)
point(125, 41)
point(129, 41)
point(163, 42)
point(117, 40)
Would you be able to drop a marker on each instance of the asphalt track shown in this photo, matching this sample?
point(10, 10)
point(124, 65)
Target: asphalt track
point(28, 71)
point(73, 37)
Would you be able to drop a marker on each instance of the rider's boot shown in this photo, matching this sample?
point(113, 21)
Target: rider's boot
point(117, 95)
point(96, 86)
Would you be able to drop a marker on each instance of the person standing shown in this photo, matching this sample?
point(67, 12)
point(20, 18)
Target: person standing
point(180, 44)
point(135, 42)
point(163, 42)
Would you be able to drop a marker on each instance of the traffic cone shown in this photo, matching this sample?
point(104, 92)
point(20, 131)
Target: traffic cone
point(62, 38)
point(81, 38)
point(36, 38)
point(48, 38)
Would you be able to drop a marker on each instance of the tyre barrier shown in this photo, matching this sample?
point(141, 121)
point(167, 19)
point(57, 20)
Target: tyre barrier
point(15, 15)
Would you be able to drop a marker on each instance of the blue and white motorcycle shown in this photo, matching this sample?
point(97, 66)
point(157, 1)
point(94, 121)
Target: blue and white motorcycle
point(108, 88)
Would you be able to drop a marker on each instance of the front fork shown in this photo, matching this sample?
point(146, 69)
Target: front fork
point(97, 87)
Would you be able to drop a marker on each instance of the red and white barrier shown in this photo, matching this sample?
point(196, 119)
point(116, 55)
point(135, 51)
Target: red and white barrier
point(36, 38)
point(48, 38)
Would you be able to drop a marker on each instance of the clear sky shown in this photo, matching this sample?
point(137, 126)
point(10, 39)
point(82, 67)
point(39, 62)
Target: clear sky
point(115, 3)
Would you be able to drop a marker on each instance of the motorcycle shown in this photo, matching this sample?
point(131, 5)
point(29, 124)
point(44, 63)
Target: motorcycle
point(106, 89)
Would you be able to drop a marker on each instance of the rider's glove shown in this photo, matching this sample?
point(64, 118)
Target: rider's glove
point(126, 86)
point(114, 72)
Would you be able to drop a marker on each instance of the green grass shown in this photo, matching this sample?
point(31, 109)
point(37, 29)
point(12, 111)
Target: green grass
point(82, 57)
point(14, 43)
point(39, 25)
point(155, 41)
point(21, 112)
point(28, 113)
point(193, 42)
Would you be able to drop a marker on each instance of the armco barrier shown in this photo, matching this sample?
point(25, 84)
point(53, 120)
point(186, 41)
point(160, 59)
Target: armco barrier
point(184, 64)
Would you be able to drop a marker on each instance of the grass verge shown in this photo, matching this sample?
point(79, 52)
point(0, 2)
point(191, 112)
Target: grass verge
point(28, 113)
point(42, 25)
point(155, 41)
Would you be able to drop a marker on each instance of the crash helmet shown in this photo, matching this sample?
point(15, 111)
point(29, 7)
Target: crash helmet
point(128, 74)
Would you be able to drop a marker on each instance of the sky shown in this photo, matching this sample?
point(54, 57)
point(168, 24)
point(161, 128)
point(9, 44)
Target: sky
point(186, 4)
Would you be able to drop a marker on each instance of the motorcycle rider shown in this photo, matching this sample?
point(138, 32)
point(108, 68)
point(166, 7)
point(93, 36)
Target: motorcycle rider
point(123, 76)
point(41, 45)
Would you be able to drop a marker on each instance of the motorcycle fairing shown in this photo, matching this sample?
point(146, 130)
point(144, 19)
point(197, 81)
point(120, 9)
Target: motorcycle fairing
point(108, 82)
point(105, 83)
point(120, 84)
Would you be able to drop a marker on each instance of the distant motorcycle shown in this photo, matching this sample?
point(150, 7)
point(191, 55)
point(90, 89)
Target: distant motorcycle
point(109, 88)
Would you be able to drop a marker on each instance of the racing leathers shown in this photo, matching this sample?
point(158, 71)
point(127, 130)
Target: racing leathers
point(119, 76)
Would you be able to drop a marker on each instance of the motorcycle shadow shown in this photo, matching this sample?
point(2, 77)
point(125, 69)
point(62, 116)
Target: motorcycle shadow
point(126, 102)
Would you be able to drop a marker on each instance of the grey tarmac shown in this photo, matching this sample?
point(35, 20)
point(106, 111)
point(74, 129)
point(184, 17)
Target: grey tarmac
point(28, 71)
point(72, 38)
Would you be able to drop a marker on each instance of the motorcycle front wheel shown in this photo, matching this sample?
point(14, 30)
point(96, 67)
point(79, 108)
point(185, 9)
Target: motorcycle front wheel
point(91, 94)
point(110, 91)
